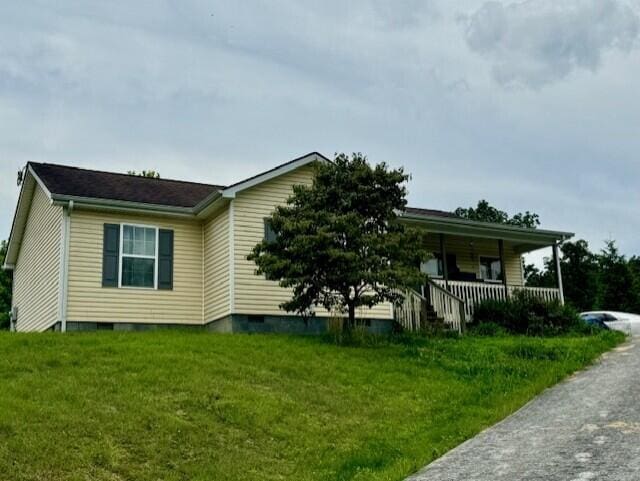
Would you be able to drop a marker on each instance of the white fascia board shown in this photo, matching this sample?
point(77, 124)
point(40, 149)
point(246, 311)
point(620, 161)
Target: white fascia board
point(230, 192)
point(19, 220)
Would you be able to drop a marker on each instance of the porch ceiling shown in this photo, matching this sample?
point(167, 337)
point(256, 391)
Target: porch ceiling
point(523, 240)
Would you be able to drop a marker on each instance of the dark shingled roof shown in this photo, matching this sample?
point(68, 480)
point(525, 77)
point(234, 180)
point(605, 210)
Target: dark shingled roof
point(77, 182)
point(430, 212)
point(73, 181)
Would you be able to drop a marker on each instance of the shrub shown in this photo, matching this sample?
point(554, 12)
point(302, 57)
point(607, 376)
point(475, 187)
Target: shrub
point(524, 313)
point(488, 329)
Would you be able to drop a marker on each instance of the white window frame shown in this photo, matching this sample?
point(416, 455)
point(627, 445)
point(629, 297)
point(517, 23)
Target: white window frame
point(122, 254)
point(488, 256)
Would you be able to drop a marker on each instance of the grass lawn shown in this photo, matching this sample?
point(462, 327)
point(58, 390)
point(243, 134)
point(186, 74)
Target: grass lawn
point(196, 406)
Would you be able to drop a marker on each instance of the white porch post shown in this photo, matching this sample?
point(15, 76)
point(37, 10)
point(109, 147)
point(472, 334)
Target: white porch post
point(556, 259)
point(445, 267)
point(503, 269)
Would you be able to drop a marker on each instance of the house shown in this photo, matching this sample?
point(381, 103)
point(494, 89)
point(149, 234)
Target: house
point(100, 250)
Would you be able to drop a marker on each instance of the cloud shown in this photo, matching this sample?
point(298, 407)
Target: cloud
point(537, 42)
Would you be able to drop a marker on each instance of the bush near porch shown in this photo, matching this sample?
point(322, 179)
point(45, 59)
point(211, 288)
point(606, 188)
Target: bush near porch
point(525, 313)
point(195, 406)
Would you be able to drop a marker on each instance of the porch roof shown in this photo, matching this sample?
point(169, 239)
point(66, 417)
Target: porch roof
point(441, 222)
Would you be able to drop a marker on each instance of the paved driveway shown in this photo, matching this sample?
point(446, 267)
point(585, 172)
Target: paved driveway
point(586, 428)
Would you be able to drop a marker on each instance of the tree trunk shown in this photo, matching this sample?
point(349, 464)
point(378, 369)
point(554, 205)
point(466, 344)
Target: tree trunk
point(351, 321)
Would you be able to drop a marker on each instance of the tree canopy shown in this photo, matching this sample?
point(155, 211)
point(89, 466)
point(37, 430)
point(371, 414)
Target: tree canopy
point(485, 212)
point(145, 173)
point(337, 243)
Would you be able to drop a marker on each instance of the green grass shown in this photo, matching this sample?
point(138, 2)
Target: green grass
point(196, 406)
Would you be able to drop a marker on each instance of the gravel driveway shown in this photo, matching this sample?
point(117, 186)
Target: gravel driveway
point(586, 428)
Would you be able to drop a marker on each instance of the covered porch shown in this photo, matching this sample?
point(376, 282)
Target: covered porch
point(473, 261)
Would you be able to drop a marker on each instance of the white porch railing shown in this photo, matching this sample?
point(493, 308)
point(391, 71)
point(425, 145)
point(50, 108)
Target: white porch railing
point(474, 292)
point(447, 305)
point(410, 312)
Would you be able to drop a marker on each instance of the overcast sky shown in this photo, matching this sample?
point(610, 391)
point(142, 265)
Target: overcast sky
point(533, 105)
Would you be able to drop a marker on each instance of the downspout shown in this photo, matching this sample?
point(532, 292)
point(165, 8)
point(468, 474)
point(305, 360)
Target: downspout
point(64, 264)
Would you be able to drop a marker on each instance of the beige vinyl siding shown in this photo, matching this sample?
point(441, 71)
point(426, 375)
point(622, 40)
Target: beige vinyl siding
point(217, 299)
point(36, 276)
point(90, 302)
point(254, 294)
point(468, 251)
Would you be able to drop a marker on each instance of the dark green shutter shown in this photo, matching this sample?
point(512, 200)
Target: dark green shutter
point(110, 255)
point(165, 259)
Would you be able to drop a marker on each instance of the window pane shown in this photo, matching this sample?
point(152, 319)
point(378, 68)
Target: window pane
point(149, 242)
point(137, 272)
point(269, 234)
point(127, 239)
point(139, 241)
point(490, 268)
point(433, 267)
point(496, 270)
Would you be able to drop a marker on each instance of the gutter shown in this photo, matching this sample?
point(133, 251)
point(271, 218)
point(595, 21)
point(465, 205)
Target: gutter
point(120, 205)
point(200, 210)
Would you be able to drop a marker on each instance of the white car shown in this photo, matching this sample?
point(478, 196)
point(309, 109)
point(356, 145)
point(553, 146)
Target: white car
point(620, 321)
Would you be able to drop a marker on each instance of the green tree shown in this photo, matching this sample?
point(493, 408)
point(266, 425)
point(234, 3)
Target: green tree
point(145, 173)
point(580, 271)
point(634, 267)
point(615, 281)
point(579, 274)
point(338, 244)
point(535, 277)
point(485, 212)
point(5, 289)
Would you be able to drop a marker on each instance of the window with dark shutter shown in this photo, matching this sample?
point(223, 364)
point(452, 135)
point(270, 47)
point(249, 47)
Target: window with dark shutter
point(165, 259)
point(110, 255)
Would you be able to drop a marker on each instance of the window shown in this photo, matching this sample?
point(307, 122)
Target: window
point(138, 262)
point(490, 269)
point(433, 267)
point(269, 233)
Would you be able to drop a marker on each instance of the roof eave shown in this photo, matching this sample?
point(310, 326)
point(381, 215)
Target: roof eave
point(457, 226)
point(19, 217)
point(231, 191)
